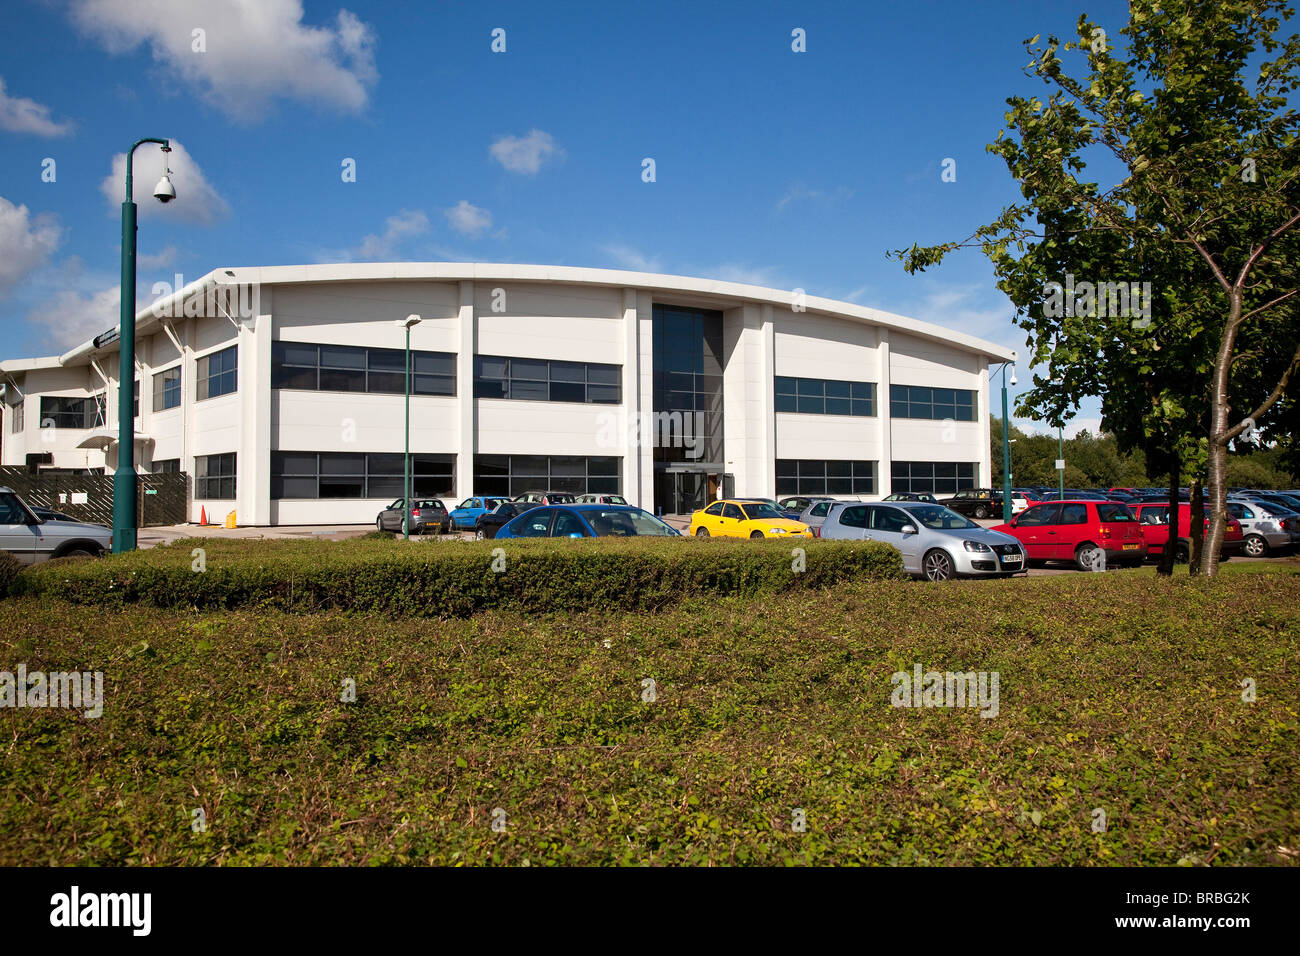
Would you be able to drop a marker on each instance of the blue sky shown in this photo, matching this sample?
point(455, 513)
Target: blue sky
point(779, 168)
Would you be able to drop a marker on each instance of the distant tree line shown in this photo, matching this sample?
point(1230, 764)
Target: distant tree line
point(1095, 461)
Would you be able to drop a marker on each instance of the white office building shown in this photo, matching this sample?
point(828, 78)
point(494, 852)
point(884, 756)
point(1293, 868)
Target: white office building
point(280, 390)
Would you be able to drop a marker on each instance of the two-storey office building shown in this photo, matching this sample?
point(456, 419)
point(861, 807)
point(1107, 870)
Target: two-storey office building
point(281, 390)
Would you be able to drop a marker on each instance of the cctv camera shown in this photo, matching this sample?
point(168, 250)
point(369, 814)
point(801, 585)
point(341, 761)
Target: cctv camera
point(164, 191)
point(1013, 379)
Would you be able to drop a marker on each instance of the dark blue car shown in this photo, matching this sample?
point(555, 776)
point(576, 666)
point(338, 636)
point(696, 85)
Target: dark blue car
point(586, 521)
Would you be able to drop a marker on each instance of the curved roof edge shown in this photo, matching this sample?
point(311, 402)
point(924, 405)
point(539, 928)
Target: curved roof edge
point(577, 275)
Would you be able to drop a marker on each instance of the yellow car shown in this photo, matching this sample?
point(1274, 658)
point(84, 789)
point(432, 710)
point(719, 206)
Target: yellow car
point(745, 519)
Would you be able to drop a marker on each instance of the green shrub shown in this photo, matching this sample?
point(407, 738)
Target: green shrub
point(457, 578)
point(10, 569)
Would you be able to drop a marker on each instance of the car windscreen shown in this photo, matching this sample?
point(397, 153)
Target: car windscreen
point(615, 500)
point(941, 519)
point(761, 511)
point(626, 524)
point(562, 499)
point(1113, 512)
point(433, 504)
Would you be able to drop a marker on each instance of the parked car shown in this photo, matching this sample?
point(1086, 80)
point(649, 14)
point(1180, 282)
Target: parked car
point(1029, 494)
point(488, 524)
point(31, 540)
point(1263, 525)
point(911, 496)
point(427, 514)
point(745, 518)
point(586, 521)
point(1153, 521)
point(1074, 494)
point(801, 503)
point(547, 497)
point(466, 514)
point(790, 513)
point(816, 513)
point(1076, 531)
point(601, 500)
point(936, 542)
point(983, 502)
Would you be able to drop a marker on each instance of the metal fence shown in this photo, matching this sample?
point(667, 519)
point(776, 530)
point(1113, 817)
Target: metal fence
point(164, 499)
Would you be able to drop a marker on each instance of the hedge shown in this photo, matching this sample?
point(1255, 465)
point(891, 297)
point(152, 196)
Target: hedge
point(455, 579)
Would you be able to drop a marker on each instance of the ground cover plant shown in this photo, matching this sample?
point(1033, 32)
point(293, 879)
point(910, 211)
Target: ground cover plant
point(523, 738)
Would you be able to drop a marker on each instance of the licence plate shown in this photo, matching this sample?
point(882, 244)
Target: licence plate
point(1010, 559)
point(1130, 547)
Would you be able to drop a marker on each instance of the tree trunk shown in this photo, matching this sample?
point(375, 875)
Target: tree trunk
point(1166, 566)
point(1196, 528)
point(1218, 449)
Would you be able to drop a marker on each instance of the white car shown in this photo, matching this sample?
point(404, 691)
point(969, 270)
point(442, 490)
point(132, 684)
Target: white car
point(32, 540)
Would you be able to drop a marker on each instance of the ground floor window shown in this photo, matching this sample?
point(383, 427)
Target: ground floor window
point(167, 466)
point(933, 477)
point(800, 476)
point(326, 474)
point(512, 475)
point(214, 476)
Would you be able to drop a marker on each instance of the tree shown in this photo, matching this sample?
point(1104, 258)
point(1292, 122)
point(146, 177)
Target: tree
point(1199, 221)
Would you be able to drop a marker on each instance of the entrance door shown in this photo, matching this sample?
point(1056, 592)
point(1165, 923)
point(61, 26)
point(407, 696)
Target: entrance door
point(681, 492)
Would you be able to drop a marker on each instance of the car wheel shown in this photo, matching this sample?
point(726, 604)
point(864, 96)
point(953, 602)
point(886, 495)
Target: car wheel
point(755, 534)
point(1256, 546)
point(701, 532)
point(405, 530)
point(937, 566)
point(1183, 554)
point(379, 524)
point(78, 553)
point(478, 533)
point(1085, 557)
point(981, 512)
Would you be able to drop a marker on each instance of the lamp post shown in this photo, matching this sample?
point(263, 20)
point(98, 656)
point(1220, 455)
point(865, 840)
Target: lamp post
point(1060, 460)
point(124, 477)
point(1006, 446)
point(407, 323)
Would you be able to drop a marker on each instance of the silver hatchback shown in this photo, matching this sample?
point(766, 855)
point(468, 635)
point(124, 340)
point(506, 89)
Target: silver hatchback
point(936, 542)
point(31, 540)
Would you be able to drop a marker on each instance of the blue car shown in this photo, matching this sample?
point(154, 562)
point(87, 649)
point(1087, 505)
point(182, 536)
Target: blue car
point(586, 521)
point(466, 514)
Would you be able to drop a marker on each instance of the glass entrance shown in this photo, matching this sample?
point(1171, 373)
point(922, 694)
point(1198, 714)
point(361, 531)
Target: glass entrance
point(681, 492)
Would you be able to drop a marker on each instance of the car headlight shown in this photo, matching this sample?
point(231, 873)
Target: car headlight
point(777, 531)
point(975, 546)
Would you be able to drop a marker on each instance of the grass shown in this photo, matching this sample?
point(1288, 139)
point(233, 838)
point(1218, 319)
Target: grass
point(1118, 691)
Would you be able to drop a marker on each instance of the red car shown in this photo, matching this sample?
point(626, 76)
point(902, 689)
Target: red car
point(1153, 519)
point(1077, 531)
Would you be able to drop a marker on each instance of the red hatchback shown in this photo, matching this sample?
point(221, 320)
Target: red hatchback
point(1078, 531)
point(1153, 519)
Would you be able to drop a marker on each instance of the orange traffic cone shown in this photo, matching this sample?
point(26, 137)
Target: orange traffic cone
point(203, 516)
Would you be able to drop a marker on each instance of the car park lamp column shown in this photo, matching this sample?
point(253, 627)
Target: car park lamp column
point(1006, 443)
point(124, 477)
point(407, 322)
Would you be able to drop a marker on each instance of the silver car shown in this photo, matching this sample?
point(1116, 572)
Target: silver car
point(936, 542)
point(31, 540)
point(815, 513)
point(1261, 525)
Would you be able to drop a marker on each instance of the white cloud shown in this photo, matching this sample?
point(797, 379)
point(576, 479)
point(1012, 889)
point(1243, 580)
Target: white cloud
point(196, 200)
point(18, 114)
point(525, 154)
point(255, 51)
point(397, 229)
point(162, 259)
point(630, 258)
point(70, 318)
point(799, 191)
point(748, 275)
point(26, 242)
point(468, 219)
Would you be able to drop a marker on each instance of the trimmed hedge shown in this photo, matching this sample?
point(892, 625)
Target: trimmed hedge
point(455, 579)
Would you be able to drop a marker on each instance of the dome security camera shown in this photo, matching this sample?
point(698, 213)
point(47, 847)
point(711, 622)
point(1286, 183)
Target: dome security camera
point(164, 191)
point(1013, 379)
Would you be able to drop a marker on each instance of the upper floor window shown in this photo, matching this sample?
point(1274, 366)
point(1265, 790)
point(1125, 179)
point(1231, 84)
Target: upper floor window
point(218, 374)
point(348, 368)
point(61, 411)
point(915, 401)
point(546, 380)
point(167, 389)
point(825, 396)
point(16, 423)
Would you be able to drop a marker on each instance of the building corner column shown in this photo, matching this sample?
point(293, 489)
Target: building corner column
point(253, 463)
point(884, 477)
point(465, 351)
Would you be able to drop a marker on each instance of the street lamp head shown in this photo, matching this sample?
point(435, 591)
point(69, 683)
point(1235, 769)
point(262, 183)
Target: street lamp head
point(410, 320)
